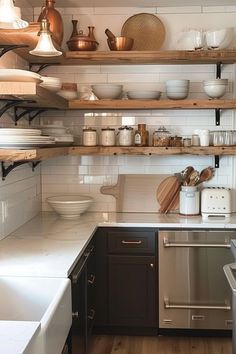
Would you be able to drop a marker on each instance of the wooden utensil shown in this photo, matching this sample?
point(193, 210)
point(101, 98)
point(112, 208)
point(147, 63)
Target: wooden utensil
point(206, 174)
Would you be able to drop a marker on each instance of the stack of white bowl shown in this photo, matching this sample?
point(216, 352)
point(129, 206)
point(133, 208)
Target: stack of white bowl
point(177, 89)
point(215, 88)
point(51, 83)
point(59, 133)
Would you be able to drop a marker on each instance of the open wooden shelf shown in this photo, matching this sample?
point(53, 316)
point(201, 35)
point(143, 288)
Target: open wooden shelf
point(153, 104)
point(39, 154)
point(14, 155)
point(40, 96)
point(150, 150)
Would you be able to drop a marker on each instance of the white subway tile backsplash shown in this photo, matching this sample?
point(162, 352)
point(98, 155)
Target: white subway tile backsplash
point(179, 9)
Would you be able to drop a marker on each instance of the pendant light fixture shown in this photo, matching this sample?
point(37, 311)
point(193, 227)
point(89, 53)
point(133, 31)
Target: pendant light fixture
point(10, 17)
point(45, 47)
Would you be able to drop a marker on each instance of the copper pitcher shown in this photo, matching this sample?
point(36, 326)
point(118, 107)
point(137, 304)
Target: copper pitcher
point(54, 18)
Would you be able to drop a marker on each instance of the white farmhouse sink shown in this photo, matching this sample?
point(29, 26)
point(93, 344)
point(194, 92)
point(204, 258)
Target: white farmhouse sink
point(44, 300)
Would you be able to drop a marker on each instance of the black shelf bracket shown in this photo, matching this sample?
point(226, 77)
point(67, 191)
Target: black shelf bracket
point(40, 67)
point(217, 115)
point(12, 103)
point(29, 111)
point(4, 48)
point(11, 167)
point(217, 161)
point(218, 69)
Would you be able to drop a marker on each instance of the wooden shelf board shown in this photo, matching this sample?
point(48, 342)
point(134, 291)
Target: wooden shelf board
point(153, 104)
point(12, 155)
point(131, 150)
point(149, 57)
point(31, 91)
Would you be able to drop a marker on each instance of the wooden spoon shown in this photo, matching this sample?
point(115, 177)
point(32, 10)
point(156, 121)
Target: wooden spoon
point(206, 174)
point(193, 178)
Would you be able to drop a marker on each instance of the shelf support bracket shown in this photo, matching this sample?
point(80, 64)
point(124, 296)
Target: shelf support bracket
point(217, 161)
point(40, 67)
point(18, 116)
point(11, 167)
point(4, 48)
point(218, 69)
point(11, 103)
point(217, 115)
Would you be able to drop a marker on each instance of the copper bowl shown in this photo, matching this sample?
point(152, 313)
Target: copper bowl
point(77, 44)
point(120, 43)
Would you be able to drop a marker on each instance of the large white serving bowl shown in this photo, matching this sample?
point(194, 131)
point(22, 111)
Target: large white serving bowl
point(107, 91)
point(43, 300)
point(219, 39)
point(177, 95)
point(177, 89)
point(144, 95)
point(215, 88)
point(70, 206)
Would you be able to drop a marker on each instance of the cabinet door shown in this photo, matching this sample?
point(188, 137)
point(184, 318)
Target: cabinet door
point(132, 290)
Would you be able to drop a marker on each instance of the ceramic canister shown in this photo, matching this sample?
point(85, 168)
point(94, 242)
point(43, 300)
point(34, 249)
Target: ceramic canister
point(189, 201)
point(89, 137)
point(125, 136)
point(108, 137)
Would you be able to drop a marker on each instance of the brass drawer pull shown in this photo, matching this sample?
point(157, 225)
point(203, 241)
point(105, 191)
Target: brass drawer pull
point(91, 279)
point(131, 242)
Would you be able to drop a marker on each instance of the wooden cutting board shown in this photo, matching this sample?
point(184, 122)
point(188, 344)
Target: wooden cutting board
point(135, 193)
point(168, 194)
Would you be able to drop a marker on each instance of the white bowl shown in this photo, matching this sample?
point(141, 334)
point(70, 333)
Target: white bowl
point(215, 91)
point(144, 95)
point(51, 83)
point(216, 82)
point(70, 206)
point(219, 39)
point(171, 83)
point(177, 95)
point(68, 95)
point(107, 91)
point(177, 89)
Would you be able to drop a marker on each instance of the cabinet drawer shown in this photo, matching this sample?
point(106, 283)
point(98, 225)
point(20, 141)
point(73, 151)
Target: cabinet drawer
point(134, 242)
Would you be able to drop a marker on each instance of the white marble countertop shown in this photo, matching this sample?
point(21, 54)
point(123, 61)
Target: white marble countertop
point(48, 246)
point(16, 336)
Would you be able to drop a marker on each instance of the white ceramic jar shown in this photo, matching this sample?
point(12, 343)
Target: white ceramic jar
point(108, 137)
point(189, 201)
point(89, 137)
point(125, 136)
point(204, 135)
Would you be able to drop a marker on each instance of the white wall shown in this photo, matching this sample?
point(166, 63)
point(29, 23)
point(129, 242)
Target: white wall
point(88, 173)
point(20, 193)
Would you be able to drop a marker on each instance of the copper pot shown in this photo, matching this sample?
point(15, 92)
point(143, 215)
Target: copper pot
point(80, 42)
point(120, 43)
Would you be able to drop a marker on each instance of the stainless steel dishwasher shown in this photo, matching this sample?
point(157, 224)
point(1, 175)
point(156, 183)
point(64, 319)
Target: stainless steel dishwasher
point(193, 291)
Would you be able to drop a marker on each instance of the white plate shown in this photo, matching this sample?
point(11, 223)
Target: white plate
point(19, 131)
point(25, 145)
point(26, 138)
point(19, 75)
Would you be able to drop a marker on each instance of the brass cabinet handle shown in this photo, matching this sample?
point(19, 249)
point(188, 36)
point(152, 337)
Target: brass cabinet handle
point(131, 242)
point(75, 315)
point(91, 280)
point(91, 314)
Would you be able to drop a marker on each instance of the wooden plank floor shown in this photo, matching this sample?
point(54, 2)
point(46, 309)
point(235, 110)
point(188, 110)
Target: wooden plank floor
point(159, 345)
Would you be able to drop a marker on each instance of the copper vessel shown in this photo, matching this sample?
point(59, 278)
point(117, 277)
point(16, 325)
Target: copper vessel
point(81, 42)
point(54, 18)
point(120, 43)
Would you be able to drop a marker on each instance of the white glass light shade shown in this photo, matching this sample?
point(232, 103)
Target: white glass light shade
point(45, 47)
point(10, 17)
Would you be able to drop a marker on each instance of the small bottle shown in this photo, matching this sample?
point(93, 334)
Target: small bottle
point(141, 136)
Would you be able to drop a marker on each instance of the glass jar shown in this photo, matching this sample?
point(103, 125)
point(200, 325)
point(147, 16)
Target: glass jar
point(161, 137)
point(89, 136)
point(176, 141)
point(108, 137)
point(141, 136)
point(125, 136)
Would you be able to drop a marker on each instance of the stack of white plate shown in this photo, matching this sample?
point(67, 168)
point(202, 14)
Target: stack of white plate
point(18, 75)
point(51, 83)
point(59, 133)
point(23, 138)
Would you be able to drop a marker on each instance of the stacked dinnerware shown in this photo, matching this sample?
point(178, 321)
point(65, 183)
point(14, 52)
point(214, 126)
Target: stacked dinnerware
point(215, 88)
point(177, 89)
point(59, 133)
point(51, 83)
point(23, 138)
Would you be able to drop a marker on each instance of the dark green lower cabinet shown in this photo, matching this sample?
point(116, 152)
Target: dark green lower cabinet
point(132, 295)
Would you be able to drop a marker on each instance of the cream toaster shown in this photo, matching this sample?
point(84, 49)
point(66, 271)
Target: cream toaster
point(216, 201)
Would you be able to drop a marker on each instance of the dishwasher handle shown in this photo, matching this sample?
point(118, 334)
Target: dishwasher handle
point(228, 270)
point(194, 244)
